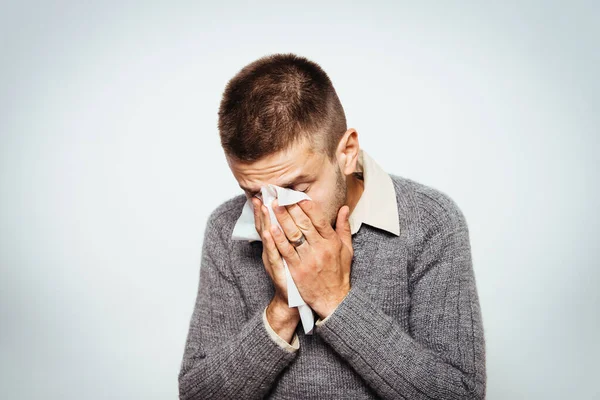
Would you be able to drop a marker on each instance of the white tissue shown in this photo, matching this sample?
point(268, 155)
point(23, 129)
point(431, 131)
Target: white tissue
point(245, 229)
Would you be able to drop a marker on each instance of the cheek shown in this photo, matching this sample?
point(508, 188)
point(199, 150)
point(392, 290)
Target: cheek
point(325, 199)
point(318, 195)
point(325, 194)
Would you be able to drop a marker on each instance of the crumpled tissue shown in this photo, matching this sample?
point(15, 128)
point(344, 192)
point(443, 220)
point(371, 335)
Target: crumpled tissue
point(245, 229)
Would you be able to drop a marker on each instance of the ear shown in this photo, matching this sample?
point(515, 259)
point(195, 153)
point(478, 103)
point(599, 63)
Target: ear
point(348, 151)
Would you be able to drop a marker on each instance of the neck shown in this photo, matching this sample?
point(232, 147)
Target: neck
point(356, 187)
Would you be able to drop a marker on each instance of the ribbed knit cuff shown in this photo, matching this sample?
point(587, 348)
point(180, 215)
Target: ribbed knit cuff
point(257, 341)
point(322, 321)
point(356, 320)
point(250, 361)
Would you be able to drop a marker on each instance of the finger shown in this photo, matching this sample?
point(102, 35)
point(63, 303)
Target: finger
point(304, 223)
point(287, 251)
point(271, 248)
point(292, 231)
point(317, 217)
point(266, 217)
point(268, 226)
point(273, 256)
point(342, 226)
point(267, 261)
point(257, 218)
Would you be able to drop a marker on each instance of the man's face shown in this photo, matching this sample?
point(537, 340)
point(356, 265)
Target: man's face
point(297, 169)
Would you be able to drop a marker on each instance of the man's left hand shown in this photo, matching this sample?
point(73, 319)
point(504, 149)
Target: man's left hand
point(321, 265)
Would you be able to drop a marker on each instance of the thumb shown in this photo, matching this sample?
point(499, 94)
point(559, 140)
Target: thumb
point(342, 226)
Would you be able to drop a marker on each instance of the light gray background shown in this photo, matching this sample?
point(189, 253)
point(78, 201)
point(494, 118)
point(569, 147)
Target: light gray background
point(111, 164)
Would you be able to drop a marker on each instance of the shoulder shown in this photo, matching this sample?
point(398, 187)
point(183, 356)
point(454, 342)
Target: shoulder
point(429, 207)
point(222, 218)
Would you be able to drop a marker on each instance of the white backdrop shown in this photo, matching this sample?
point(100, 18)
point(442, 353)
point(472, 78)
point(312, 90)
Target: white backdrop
point(111, 163)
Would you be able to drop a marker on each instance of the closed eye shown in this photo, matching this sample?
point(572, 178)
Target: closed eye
point(259, 194)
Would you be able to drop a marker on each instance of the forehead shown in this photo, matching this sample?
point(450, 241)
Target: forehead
point(282, 169)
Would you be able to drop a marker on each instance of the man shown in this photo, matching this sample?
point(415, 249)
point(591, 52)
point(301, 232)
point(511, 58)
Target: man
point(383, 261)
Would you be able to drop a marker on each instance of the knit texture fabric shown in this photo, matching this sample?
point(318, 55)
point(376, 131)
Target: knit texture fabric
point(410, 327)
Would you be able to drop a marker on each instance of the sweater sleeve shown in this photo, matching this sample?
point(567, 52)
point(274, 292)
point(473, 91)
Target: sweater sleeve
point(228, 355)
point(443, 354)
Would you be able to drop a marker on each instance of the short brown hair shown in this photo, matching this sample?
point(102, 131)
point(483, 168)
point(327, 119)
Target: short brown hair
point(277, 101)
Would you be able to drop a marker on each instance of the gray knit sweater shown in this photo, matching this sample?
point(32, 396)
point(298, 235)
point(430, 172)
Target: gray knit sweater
point(410, 327)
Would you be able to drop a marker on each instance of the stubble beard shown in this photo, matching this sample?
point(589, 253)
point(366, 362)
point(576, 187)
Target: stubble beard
point(340, 195)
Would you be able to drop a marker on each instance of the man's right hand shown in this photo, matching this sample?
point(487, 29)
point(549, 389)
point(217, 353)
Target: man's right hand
point(281, 317)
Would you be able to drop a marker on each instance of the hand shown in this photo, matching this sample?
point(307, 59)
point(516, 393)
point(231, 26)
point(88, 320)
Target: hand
point(281, 317)
point(321, 265)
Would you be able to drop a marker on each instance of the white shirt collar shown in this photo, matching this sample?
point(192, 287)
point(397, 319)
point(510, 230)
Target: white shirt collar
point(377, 205)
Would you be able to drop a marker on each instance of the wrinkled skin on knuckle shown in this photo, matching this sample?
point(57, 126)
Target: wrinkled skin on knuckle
point(303, 223)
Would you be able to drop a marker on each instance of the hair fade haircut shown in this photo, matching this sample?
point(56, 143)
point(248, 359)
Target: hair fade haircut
point(277, 101)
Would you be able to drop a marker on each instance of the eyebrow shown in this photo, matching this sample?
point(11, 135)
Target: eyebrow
point(288, 184)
